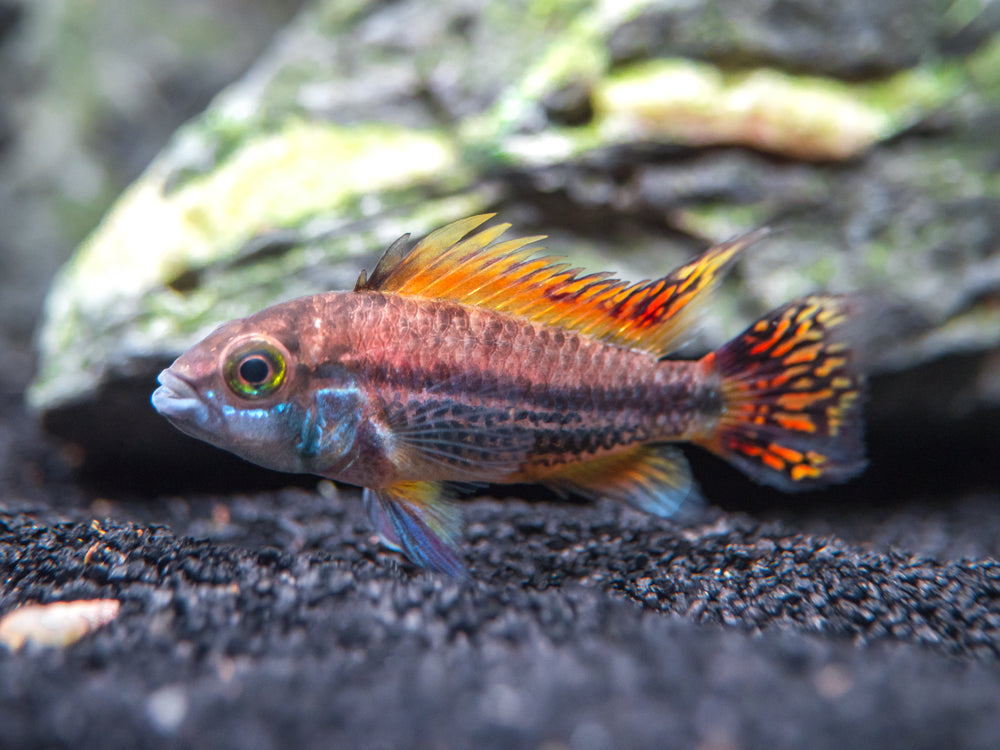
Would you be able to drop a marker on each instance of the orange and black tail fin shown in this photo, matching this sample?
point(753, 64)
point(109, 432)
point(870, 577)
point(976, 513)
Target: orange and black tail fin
point(791, 397)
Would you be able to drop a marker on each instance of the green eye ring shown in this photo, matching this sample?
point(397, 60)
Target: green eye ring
point(255, 368)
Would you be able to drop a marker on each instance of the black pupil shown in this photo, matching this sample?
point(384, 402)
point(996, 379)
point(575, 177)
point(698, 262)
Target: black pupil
point(255, 369)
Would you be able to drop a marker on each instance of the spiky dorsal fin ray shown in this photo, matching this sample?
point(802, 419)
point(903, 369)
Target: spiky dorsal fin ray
point(392, 255)
point(651, 316)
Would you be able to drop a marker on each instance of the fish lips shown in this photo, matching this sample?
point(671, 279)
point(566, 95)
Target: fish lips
point(178, 401)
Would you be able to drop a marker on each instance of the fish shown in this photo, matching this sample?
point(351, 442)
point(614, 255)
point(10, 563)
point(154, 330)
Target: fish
point(466, 360)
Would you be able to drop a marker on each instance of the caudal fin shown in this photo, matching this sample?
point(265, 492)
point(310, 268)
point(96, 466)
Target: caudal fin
point(791, 397)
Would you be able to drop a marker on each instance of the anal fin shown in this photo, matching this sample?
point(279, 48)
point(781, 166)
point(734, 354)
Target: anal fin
point(419, 519)
point(655, 479)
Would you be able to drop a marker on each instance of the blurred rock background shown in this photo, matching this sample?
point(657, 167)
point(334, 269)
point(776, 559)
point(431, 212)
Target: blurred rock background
point(89, 92)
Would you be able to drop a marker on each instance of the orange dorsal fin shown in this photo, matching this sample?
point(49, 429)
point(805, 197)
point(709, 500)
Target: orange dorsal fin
point(474, 269)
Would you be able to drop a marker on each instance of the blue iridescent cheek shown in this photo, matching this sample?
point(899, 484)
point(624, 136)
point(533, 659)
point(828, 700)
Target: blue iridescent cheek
point(274, 412)
point(330, 423)
point(258, 424)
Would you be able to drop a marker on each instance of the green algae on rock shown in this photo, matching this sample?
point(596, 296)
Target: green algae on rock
point(802, 117)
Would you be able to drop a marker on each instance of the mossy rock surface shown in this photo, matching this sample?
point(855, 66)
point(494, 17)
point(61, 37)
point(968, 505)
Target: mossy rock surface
point(632, 133)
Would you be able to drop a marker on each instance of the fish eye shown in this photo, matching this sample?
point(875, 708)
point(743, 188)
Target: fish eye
point(254, 369)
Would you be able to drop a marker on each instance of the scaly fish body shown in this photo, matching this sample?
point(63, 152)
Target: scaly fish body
point(566, 396)
point(464, 361)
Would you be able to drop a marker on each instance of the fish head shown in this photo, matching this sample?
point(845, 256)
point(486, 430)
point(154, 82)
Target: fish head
point(245, 389)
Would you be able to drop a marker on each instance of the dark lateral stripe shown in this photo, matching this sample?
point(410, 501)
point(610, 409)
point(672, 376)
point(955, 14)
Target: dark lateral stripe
point(550, 433)
point(547, 402)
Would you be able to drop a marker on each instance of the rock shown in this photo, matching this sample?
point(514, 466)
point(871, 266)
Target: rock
point(632, 134)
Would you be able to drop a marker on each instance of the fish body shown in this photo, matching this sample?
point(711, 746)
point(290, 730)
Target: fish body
point(464, 360)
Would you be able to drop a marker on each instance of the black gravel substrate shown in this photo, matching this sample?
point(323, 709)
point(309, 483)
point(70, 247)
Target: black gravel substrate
point(285, 625)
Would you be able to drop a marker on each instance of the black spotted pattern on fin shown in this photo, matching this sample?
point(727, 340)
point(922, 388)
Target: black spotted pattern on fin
point(792, 397)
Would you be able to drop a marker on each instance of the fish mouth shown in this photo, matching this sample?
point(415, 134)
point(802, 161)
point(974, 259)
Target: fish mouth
point(178, 400)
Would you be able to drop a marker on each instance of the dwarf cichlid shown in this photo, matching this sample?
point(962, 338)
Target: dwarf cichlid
point(465, 359)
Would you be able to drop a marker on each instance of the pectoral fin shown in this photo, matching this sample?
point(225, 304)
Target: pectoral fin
point(654, 479)
point(419, 519)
